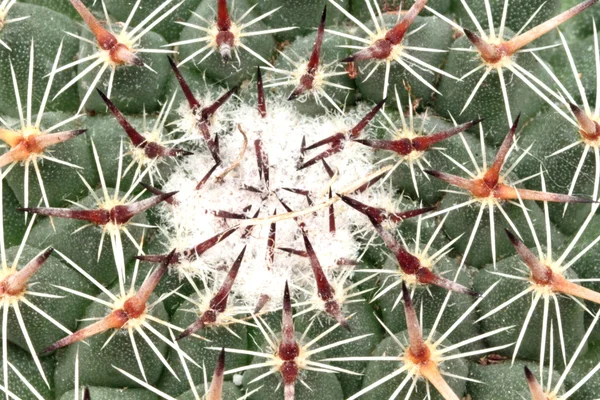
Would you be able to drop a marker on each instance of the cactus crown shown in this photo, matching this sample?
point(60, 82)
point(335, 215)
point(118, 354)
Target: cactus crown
point(290, 198)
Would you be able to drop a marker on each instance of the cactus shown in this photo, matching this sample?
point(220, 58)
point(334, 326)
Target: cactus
point(219, 199)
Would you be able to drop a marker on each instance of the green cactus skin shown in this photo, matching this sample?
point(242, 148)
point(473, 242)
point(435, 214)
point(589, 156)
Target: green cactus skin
point(465, 220)
point(558, 167)
point(301, 14)
point(170, 30)
point(585, 266)
point(14, 224)
point(171, 281)
point(518, 15)
point(200, 84)
point(363, 322)
point(361, 11)
point(108, 137)
point(108, 393)
point(580, 369)
point(395, 320)
point(230, 392)
point(23, 363)
point(505, 383)
point(46, 29)
point(580, 50)
point(216, 336)
point(64, 7)
point(582, 24)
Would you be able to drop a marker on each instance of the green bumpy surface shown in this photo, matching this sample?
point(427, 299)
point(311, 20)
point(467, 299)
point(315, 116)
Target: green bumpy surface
point(138, 91)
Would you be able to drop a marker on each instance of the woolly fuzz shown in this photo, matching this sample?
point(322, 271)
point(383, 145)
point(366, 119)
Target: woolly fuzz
point(237, 187)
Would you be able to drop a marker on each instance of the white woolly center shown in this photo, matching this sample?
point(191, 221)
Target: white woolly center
point(281, 133)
